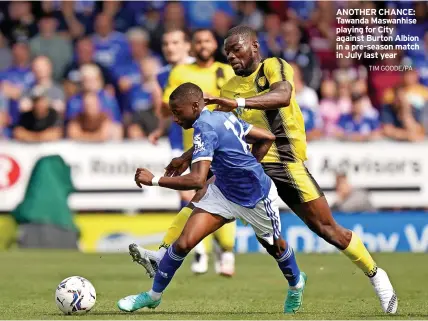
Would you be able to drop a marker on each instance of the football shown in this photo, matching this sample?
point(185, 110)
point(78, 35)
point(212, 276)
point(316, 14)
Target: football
point(75, 295)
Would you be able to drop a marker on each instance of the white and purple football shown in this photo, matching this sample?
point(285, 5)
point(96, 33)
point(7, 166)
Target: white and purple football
point(75, 295)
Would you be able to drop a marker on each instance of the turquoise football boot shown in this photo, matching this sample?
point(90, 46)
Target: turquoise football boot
point(294, 299)
point(133, 303)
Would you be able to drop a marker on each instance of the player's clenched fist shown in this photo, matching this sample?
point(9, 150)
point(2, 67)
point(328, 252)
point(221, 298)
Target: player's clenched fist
point(143, 177)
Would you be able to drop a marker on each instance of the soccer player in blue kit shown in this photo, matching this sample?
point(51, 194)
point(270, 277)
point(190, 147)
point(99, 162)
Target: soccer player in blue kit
point(241, 190)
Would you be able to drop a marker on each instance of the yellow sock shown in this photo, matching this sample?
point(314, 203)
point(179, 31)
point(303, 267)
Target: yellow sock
point(208, 244)
point(226, 236)
point(358, 254)
point(176, 227)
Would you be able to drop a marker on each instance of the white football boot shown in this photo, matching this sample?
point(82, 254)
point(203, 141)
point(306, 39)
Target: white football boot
point(146, 258)
point(217, 257)
point(200, 261)
point(227, 264)
point(384, 291)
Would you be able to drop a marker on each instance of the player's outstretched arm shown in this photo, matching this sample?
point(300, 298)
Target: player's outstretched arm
point(196, 179)
point(278, 96)
point(262, 140)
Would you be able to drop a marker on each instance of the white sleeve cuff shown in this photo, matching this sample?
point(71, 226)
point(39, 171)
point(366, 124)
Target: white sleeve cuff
point(202, 159)
point(248, 130)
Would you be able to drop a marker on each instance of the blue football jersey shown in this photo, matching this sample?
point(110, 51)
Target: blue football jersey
point(21, 77)
point(139, 99)
point(220, 138)
point(108, 103)
point(112, 51)
point(363, 126)
point(163, 75)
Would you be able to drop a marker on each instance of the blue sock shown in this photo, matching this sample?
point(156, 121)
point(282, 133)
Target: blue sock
point(167, 268)
point(288, 265)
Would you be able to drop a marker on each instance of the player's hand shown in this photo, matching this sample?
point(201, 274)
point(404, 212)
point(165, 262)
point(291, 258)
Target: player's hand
point(176, 167)
point(226, 104)
point(209, 99)
point(154, 136)
point(143, 177)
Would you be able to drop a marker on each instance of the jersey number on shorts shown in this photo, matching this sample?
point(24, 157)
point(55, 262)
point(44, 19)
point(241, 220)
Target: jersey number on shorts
point(236, 127)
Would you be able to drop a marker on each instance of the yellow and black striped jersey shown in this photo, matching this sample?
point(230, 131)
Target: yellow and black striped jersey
point(209, 79)
point(286, 123)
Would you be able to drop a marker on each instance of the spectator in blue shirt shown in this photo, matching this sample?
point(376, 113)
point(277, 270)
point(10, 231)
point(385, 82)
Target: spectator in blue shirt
point(17, 79)
point(111, 47)
point(400, 120)
point(175, 48)
point(199, 14)
point(92, 123)
point(293, 50)
point(42, 71)
point(301, 10)
point(123, 16)
point(144, 99)
point(79, 16)
point(355, 126)
point(92, 82)
point(313, 123)
point(19, 76)
point(270, 39)
point(84, 55)
point(128, 75)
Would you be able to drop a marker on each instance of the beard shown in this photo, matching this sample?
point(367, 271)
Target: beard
point(246, 71)
point(239, 72)
point(204, 58)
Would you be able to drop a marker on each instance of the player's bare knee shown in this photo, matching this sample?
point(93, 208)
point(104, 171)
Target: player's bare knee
point(275, 250)
point(182, 245)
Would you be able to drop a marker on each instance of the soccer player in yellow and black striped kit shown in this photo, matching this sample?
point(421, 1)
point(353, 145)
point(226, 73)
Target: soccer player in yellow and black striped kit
point(262, 93)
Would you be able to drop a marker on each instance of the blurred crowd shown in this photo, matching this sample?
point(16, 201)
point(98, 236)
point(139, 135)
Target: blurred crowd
point(87, 70)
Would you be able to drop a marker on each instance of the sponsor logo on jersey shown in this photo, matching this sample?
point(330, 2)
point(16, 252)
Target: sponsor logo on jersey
point(261, 81)
point(198, 143)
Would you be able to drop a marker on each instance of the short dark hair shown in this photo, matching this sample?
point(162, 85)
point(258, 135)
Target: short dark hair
point(185, 92)
point(242, 30)
point(356, 96)
point(176, 29)
point(47, 16)
point(203, 30)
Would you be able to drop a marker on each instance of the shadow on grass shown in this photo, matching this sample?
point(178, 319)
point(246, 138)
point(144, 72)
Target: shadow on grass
point(159, 313)
point(318, 315)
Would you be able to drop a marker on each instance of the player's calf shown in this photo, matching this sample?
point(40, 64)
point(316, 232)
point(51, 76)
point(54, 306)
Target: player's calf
point(284, 255)
point(318, 217)
point(185, 243)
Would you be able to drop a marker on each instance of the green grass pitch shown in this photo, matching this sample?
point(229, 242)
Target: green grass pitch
point(335, 290)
